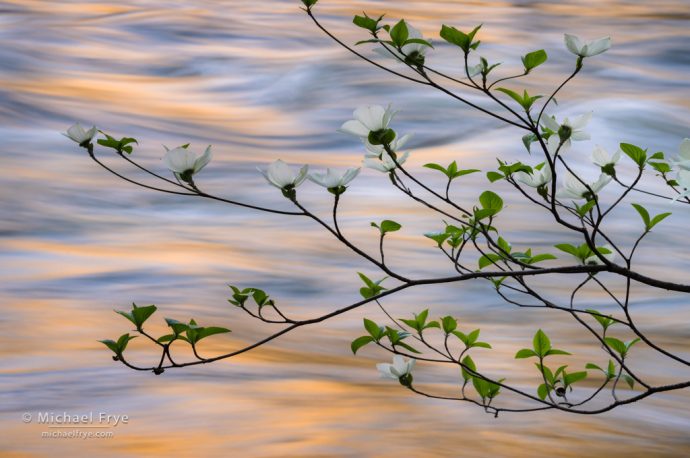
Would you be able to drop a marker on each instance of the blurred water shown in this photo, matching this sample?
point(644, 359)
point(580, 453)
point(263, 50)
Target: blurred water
point(258, 81)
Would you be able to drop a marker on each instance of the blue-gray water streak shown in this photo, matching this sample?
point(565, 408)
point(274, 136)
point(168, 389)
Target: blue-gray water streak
point(259, 82)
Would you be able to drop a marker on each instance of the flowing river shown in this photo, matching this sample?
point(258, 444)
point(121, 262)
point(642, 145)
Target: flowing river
point(259, 81)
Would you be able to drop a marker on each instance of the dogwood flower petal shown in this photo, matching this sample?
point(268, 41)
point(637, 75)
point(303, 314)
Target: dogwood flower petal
point(580, 122)
point(203, 160)
point(573, 188)
point(182, 161)
point(537, 178)
point(685, 149)
point(591, 48)
point(550, 123)
point(333, 178)
point(599, 46)
point(370, 118)
point(386, 163)
point(399, 368)
point(683, 161)
point(601, 157)
point(80, 135)
point(280, 175)
point(683, 180)
point(373, 117)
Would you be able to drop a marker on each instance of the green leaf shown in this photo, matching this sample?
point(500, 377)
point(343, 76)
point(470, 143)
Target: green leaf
point(119, 145)
point(309, 3)
point(372, 289)
point(480, 345)
point(123, 341)
point(366, 22)
point(629, 345)
point(359, 342)
point(512, 94)
point(548, 375)
point(543, 391)
point(644, 214)
point(657, 219)
point(611, 369)
point(649, 223)
point(202, 333)
point(166, 338)
point(485, 389)
point(469, 363)
point(438, 237)
point(177, 326)
point(594, 366)
point(604, 321)
point(488, 259)
point(461, 335)
point(567, 248)
point(494, 176)
point(534, 59)
point(575, 377)
point(127, 315)
point(524, 100)
point(408, 347)
point(527, 140)
point(373, 329)
point(460, 39)
point(541, 257)
point(525, 353)
point(555, 351)
point(112, 345)
point(438, 167)
point(491, 201)
point(661, 167)
point(629, 380)
point(141, 314)
point(389, 226)
point(418, 41)
point(586, 208)
point(541, 343)
point(366, 280)
point(637, 154)
point(617, 345)
point(421, 317)
point(449, 324)
point(399, 33)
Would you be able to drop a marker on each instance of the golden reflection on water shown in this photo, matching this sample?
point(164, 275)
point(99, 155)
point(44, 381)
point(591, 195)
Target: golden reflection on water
point(258, 82)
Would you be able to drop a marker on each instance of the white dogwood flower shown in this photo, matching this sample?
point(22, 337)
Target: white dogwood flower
point(395, 146)
point(386, 163)
point(368, 119)
point(607, 253)
point(574, 189)
point(601, 157)
point(683, 161)
point(80, 135)
point(332, 179)
point(282, 176)
point(399, 368)
point(683, 180)
point(568, 130)
point(587, 49)
point(184, 162)
point(538, 177)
